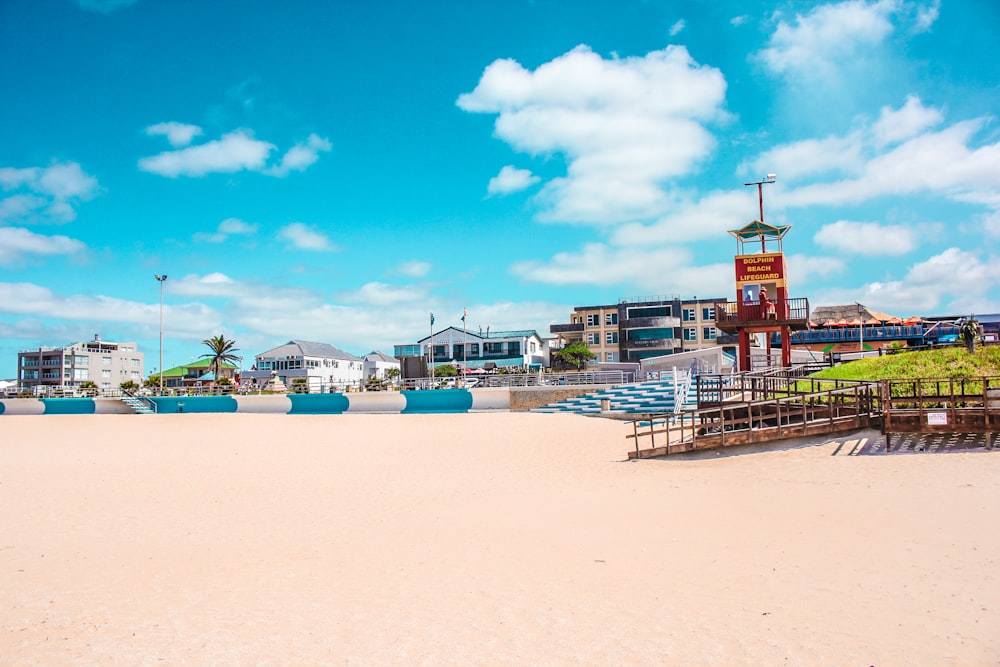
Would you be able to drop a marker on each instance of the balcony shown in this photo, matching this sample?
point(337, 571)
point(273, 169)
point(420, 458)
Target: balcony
point(566, 328)
point(666, 321)
point(734, 315)
point(662, 343)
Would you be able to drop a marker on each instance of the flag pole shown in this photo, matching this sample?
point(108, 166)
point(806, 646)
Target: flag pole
point(431, 350)
point(465, 348)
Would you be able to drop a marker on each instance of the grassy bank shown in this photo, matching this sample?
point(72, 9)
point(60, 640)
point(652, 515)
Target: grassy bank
point(951, 362)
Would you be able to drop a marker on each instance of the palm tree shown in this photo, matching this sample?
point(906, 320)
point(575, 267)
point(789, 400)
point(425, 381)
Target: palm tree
point(221, 353)
point(968, 332)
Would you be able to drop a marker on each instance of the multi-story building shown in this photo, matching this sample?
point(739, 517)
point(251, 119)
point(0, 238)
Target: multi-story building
point(108, 365)
point(480, 350)
point(323, 367)
point(641, 327)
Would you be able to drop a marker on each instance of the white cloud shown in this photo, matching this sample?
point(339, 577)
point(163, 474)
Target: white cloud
point(228, 227)
point(909, 121)
point(299, 235)
point(45, 193)
point(17, 244)
point(737, 21)
point(690, 219)
point(301, 156)
point(826, 35)
point(190, 319)
point(234, 152)
point(510, 179)
point(810, 157)
point(940, 163)
point(955, 281)
point(382, 294)
point(867, 238)
point(178, 134)
point(677, 28)
point(802, 269)
point(414, 269)
point(624, 126)
point(926, 16)
point(641, 268)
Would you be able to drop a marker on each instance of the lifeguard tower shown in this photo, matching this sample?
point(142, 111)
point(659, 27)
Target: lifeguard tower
point(762, 303)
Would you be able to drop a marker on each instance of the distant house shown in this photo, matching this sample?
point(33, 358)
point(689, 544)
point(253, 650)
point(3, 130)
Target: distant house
point(496, 349)
point(195, 374)
point(323, 367)
point(377, 363)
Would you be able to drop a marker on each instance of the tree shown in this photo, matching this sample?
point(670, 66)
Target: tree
point(968, 333)
point(446, 371)
point(221, 353)
point(576, 354)
point(129, 386)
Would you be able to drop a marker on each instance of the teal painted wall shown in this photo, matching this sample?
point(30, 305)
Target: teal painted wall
point(170, 405)
point(318, 404)
point(438, 400)
point(68, 406)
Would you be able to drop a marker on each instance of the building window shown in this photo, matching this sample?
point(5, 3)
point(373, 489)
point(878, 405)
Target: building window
point(593, 339)
point(611, 318)
point(473, 349)
point(611, 356)
point(493, 348)
point(106, 361)
point(690, 333)
point(593, 320)
point(514, 348)
point(611, 338)
point(690, 314)
point(135, 362)
point(708, 314)
point(533, 347)
point(708, 333)
point(649, 311)
point(105, 374)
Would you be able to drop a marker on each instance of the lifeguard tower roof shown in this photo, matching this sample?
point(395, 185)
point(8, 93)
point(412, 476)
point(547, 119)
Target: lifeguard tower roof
point(759, 231)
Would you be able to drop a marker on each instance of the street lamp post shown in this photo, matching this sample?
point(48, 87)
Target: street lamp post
point(760, 198)
point(161, 279)
point(861, 316)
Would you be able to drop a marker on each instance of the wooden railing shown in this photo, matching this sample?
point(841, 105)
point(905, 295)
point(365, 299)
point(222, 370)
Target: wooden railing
point(941, 405)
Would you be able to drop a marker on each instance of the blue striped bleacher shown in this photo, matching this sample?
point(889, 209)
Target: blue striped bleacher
point(654, 396)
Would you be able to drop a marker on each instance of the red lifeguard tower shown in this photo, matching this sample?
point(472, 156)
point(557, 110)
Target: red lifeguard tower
point(762, 303)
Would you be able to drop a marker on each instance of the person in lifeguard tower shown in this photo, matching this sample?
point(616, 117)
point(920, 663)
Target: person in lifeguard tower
point(766, 306)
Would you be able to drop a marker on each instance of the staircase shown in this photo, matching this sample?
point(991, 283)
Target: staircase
point(140, 406)
point(654, 396)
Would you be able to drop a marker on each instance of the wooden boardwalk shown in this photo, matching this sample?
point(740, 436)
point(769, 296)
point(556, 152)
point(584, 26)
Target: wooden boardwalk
point(913, 415)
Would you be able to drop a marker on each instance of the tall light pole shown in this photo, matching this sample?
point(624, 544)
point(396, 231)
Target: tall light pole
point(760, 198)
point(161, 279)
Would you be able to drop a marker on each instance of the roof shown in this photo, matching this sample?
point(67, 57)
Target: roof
point(376, 355)
point(520, 333)
point(758, 229)
point(304, 348)
point(848, 312)
point(182, 371)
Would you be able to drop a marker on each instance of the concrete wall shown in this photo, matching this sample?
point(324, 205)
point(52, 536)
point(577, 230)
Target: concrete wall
point(523, 399)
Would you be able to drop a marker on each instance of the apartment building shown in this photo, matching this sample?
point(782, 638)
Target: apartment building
point(321, 366)
point(107, 364)
point(636, 328)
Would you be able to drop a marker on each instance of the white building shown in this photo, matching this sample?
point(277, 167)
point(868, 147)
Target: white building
point(495, 349)
point(323, 367)
point(377, 363)
point(108, 365)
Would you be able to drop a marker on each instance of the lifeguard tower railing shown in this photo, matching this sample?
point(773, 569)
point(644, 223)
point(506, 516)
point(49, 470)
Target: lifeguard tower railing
point(790, 312)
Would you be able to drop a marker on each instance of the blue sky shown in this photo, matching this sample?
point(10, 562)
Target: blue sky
point(335, 171)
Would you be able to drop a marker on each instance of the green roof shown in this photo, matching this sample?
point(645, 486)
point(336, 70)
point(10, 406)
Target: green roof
point(182, 371)
point(758, 229)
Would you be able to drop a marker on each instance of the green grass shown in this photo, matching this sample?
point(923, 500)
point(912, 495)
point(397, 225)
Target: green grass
point(950, 362)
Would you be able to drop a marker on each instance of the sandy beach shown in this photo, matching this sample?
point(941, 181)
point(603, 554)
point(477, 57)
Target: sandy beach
point(481, 539)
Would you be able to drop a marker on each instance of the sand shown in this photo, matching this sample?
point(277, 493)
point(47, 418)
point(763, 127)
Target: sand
point(480, 539)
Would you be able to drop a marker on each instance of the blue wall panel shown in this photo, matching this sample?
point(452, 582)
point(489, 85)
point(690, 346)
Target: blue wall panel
point(169, 404)
point(438, 400)
point(68, 406)
point(318, 404)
